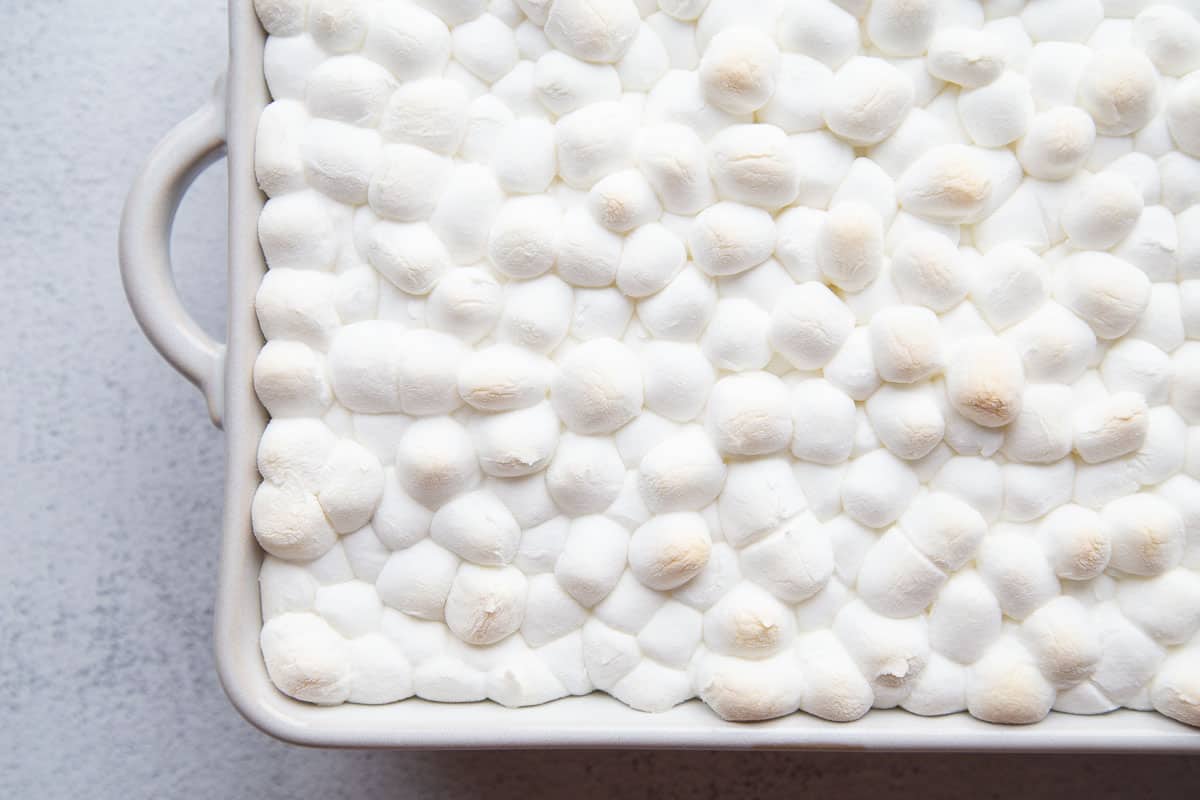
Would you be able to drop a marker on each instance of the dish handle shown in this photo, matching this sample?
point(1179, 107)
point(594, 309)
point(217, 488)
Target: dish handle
point(145, 248)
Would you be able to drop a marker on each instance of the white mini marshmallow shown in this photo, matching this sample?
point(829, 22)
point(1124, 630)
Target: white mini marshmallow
point(738, 69)
point(645, 62)
point(736, 338)
point(826, 161)
point(650, 258)
point(1119, 88)
point(1008, 285)
point(598, 387)
point(523, 242)
point(1102, 212)
point(906, 344)
point(465, 303)
point(849, 246)
point(585, 475)
point(549, 612)
point(852, 369)
point(948, 183)
point(623, 201)
point(1031, 490)
point(759, 496)
point(285, 587)
point(537, 313)
point(1005, 686)
point(592, 559)
point(1139, 367)
point(1152, 244)
point(289, 523)
point(1148, 535)
point(1041, 433)
point(794, 562)
point(1077, 542)
point(282, 17)
point(748, 622)
point(378, 368)
point(349, 89)
point(1015, 569)
point(410, 255)
point(339, 26)
point(485, 46)
point(891, 653)
point(1182, 118)
point(400, 521)
point(669, 550)
point(592, 142)
point(820, 30)
point(754, 164)
point(744, 690)
point(418, 579)
point(999, 113)
point(477, 527)
point(287, 63)
point(677, 379)
point(895, 579)
point(1055, 345)
point(1167, 607)
point(683, 473)
point(409, 41)
point(984, 381)
point(675, 162)
point(350, 486)
point(965, 619)
point(927, 270)
point(801, 92)
point(945, 529)
point(907, 420)
point(295, 231)
point(516, 443)
point(407, 183)
point(730, 238)
point(967, 57)
point(749, 414)
point(592, 31)
point(682, 309)
point(1057, 143)
point(809, 325)
point(835, 689)
point(430, 113)
point(901, 28)
point(823, 419)
point(503, 378)
point(868, 101)
point(306, 658)
point(465, 210)
point(1170, 37)
point(278, 163)
point(630, 605)
point(1175, 687)
point(436, 460)
point(588, 254)
point(486, 604)
point(523, 158)
point(564, 84)
point(877, 488)
point(290, 380)
point(1059, 637)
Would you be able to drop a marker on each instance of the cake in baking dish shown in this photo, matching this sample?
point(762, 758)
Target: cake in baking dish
point(820, 356)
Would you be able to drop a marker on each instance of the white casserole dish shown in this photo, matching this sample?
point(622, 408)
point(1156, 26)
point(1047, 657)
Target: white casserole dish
point(227, 124)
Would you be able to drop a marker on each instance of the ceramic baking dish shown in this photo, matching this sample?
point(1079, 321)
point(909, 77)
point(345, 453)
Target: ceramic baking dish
point(226, 124)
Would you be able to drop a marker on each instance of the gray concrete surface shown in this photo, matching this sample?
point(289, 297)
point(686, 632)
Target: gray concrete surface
point(111, 493)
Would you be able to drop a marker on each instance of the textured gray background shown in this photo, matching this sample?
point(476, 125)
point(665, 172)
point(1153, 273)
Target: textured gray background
point(110, 492)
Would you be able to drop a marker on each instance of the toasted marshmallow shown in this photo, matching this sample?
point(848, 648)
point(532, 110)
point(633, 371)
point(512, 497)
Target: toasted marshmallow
point(849, 246)
point(745, 690)
point(754, 164)
point(306, 659)
point(1077, 542)
point(669, 550)
point(748, 623)
point(436, 460)
point(592, 31)
point(868, 101)
point(964, 56)
point(1147, 534)
point(486, 604)
point(1005, 686)
point(749, 414)
point(901, 29)
point(1119, 88)
point(891, 653)
point(984, 382)
point(1057, 143)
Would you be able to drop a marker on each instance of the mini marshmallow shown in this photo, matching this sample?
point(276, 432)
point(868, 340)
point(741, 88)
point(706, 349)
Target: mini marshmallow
point(430, 113)
point(600, 313)
point(669, 550)
point(852, 369)
point(826, 162)
point(650, 258)
point(1148, 535)
point(295, 232)
point(585, 475)
point(410, 255)
point(730, 238)
point(486, 604)
point(306, 659)
point(609, 654)
point(738, 69)
point(940, 689)
point(339, 26)
point(549, 612)
point(377, 367)
point(978, 481)
point(743, 690)
point(1170, 37)
point(677, 379)
point(899, 28)
point(537, 313)
point(891, 653)
point(1077, 542)
point(282, 17)
point(516, 443)
point(588, 254)
point(1129, 657)
point(523, 242)
point(592, 559)
point(1102, 212)
point(809, 324)
point(1055, 346)
point(503, 378)
point(466, 303)
point(674, 160)
point(820, 30)
point(1167, 607)
point(630, 605)
point(948, 183)
point(350, 487)
point(849, 246)
point(285, 587)
point(1174, 689)
point(523, 158)
point(967, 57)
point(984, 381)
point(1042, 432)
point(895, 579)
point(877, 488)
point(965, 619)
point(1059, 637)
point(907, 420)
point(1057, 143)
point(477, 527)
point(998, 113)
point(1015, 569)
point(749, 414)
point(1119, 88)
point(409, 41)
point(683, 473)
point(645, 62)
point(399, 521)
point(349, 89)
point(436, 460)
point(736, 338)
point(1031, 490)
point(485, 46)
point(290, 380)
point(623, 201)
point(418, 579)
point(748, 623)
point(465, 210)
point(801, 93)
point(278, 163)
point(289, 523)
point(592, 142)
point(407, 183)
point(672, 634)
point(794, 563)
point(754, 164)
point(1138, 367)
point(758, 497)
point(823, 419)
point(287, 63)
point(1007, 286)
point(868, 101)
point(906, 344)
point(592, 31)
point(682, 309)
point(835, 689)
point(944, 528)
point(598, 387)
point(1005, 686)
point(1182, 118)
point(1152, 244)
point(927, 270)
